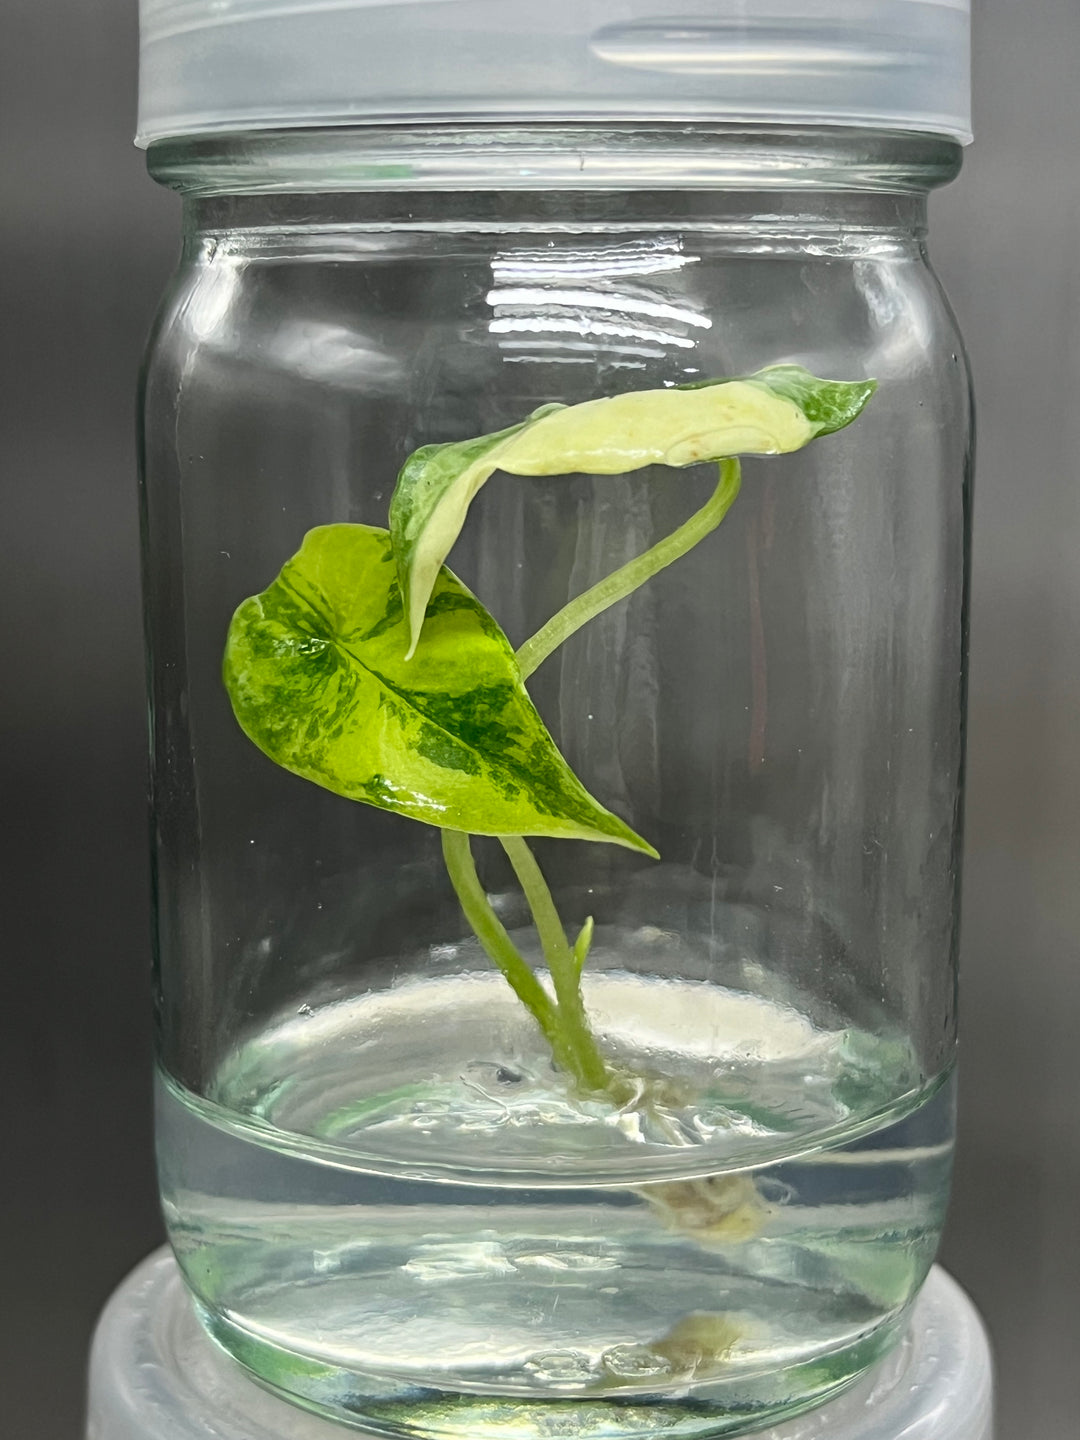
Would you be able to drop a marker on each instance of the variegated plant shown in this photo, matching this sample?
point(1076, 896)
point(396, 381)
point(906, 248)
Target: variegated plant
point(368, 668)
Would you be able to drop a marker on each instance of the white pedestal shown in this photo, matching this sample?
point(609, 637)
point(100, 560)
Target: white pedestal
point(154, 1375)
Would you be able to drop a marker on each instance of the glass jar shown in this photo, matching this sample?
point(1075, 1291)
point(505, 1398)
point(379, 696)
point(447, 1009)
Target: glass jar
point(635, 1117)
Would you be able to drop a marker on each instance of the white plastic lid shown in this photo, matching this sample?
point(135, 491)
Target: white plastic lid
point(155, 1375)
point(210, 66)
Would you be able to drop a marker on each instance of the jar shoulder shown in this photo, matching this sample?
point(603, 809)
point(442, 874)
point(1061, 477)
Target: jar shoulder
point(408, 313)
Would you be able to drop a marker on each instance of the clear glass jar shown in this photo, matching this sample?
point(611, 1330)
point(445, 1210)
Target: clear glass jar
point(705, 1186)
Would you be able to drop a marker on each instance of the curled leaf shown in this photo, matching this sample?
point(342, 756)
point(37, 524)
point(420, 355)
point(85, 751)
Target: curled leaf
point(315, 669)
point(778, 410)
point(582, 945)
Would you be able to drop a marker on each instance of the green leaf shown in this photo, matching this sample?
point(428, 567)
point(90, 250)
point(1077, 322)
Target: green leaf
point(773, 412)
point(315, 668)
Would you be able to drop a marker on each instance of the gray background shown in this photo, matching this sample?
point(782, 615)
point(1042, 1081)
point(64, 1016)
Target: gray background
point(86, 242)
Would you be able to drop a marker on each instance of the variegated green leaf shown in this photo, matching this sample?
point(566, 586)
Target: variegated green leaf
point(315, 668)
point(827, 405)
point(432, 496)
point(775, 411)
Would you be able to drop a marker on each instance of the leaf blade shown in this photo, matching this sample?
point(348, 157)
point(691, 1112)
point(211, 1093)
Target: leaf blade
point(316, 672)
point(434, 490)
point(775, 411)
point(828, 405)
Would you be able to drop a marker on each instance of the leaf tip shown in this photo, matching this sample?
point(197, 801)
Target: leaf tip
point(829, 405)
point(414, 620)
point(637, 842)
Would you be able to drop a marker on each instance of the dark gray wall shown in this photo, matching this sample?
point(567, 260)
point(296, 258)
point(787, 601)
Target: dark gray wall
point(85, 244)
point(1006, 241)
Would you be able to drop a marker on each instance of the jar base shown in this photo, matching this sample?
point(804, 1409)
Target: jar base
point(731, 1286)
point(153, 1371)
point(695, 1412)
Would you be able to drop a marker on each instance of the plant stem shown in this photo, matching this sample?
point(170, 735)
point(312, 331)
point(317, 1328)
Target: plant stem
point(564, 1022)
point(624, 581)
point(490, 931)
point(588, 1065)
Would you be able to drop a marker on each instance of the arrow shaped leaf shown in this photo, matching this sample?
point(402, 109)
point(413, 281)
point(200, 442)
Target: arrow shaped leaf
point(316, 672)
point(778, 410)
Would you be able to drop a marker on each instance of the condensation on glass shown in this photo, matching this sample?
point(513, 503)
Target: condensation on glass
point(386, 1196)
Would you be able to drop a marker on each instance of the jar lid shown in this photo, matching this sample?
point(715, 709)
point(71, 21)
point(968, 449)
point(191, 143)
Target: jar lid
point(210, 66)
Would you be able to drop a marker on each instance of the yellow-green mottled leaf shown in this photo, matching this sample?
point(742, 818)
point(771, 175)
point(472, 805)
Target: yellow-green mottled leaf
point(778, 410)
point(315, 668)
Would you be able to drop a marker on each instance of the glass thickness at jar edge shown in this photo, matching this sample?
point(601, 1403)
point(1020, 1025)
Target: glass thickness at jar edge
point(779, 712)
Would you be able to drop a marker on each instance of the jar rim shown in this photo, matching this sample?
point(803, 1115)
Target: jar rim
point(549, 156)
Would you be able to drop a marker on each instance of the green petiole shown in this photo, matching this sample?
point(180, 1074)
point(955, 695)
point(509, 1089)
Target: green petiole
point(629, 577)
point(565, 1024)
point(490, 931)
point(587, 1064)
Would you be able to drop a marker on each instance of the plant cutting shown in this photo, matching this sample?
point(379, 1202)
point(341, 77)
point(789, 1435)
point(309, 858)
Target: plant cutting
point(368, 668)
